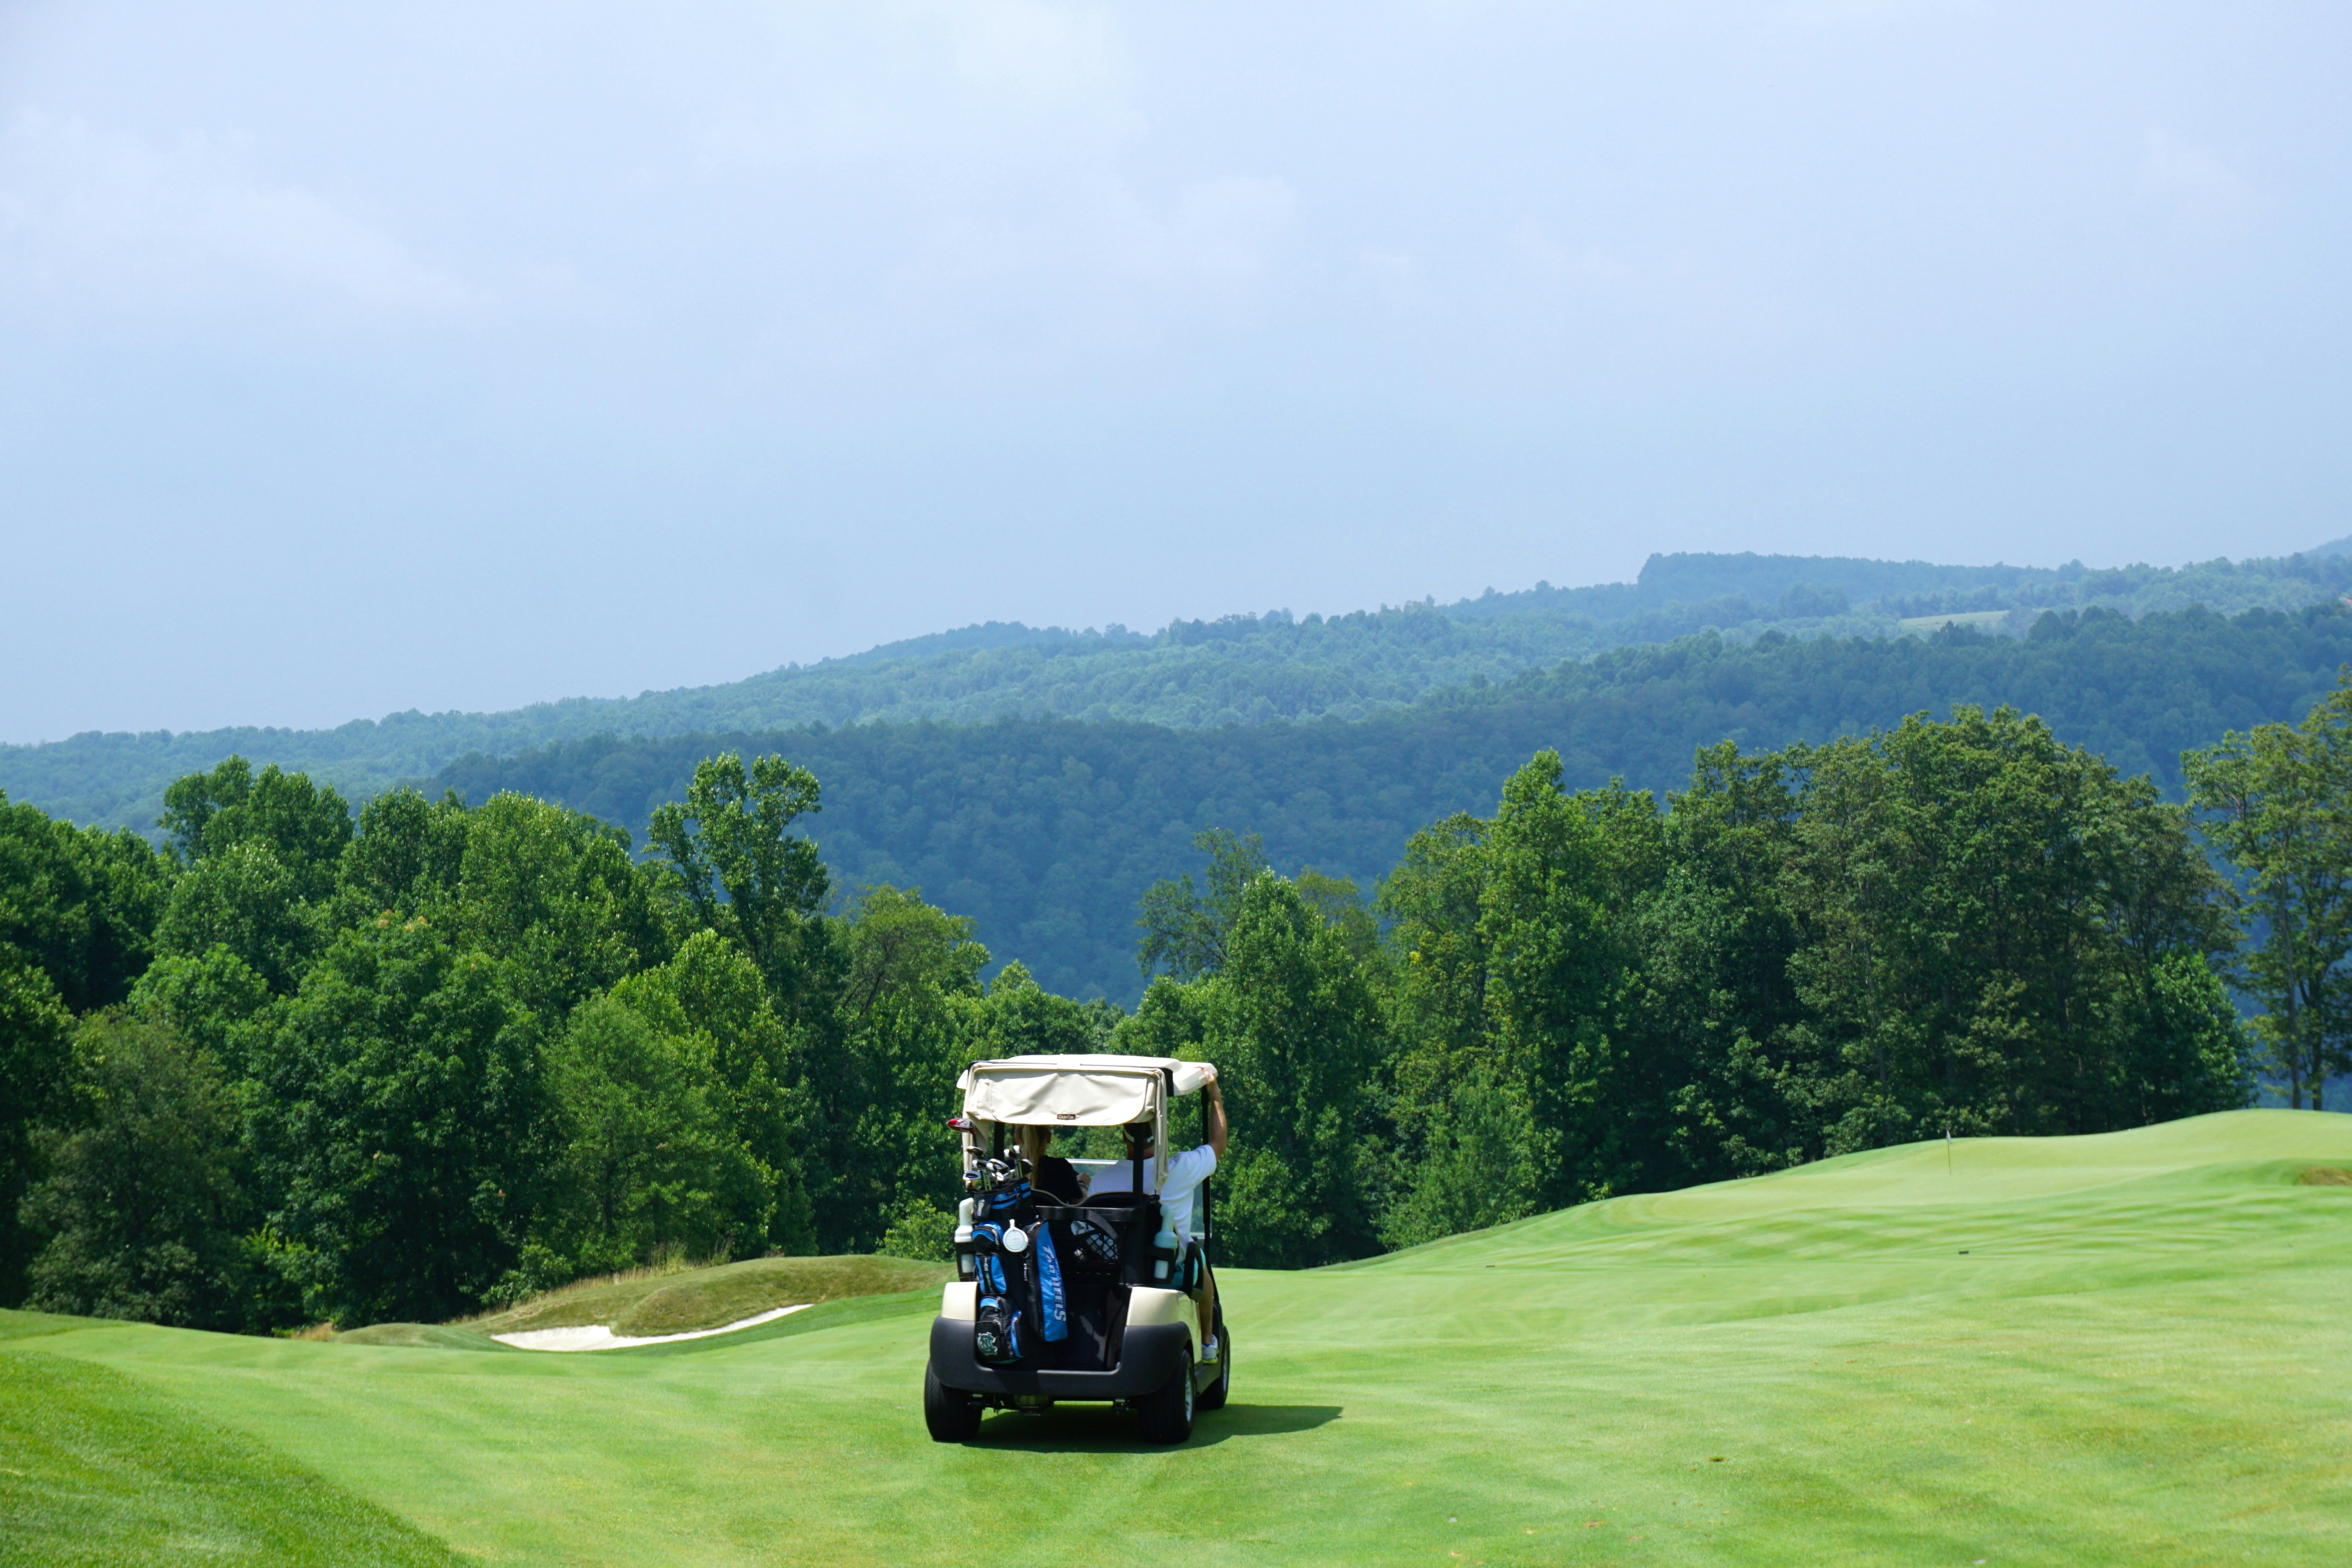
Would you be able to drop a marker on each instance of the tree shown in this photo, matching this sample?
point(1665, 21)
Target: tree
point(145, 1208)
point(770, 1088)
point(409, 853)
point(1713, 1003)
point(733, 859)
point(2192, 1053)
point(1562, 868)
point(80, 903)
point(1986, 911)
point(1021, 1017)
point(1185, 928)
point(401, 1125)
point(246, 901)
point(212, 999)
point(306, 827)
point(1465, 1141)
point(35, 1066)
point(914, 1012)
point(647, 1159)
point(2277, 802)
point(1295, 1032)
point(555, 895)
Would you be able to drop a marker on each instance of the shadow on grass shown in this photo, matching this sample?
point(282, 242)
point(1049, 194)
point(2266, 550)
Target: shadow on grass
point(1103, 1429)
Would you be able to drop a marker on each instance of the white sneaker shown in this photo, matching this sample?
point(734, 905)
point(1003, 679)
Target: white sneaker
point(1209, 1351)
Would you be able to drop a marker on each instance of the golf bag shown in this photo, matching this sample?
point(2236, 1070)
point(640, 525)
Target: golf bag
point(1015, 1266)
point(998, 1319)
point(1020, 1293)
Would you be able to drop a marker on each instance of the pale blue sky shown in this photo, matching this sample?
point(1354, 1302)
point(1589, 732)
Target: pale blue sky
point(463, 355)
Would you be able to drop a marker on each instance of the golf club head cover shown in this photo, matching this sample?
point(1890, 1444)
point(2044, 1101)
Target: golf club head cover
point(996, 1331)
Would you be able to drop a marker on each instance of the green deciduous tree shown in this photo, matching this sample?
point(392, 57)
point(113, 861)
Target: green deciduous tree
point(80, 903)
point(914, 1012)
point(2192, 1054)
point(1563, 871)
point(35, 1066)
point(1985, 908)
point(1464, 1155)
point(305, 826)
point(769, 1087)
point(145, 1209)
point(1295, 1028)
point(739, 868)
point(245, 899)
point(1185, 928)
point(409, 854)
point(555, 895)
point(647, 1158)
point(401, 1125)
point(1713, 1004)
point(214, 999)
point(2276, 800)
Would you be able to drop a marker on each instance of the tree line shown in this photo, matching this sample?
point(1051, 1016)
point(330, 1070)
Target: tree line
point(297, 1063)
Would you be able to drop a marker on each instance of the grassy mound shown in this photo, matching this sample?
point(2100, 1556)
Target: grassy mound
point(648, 1302)
point(674, 1303)
point(2111, 1350)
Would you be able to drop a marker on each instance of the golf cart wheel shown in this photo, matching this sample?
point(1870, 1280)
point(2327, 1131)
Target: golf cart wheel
point(951, 1414)
point(1168, 1415)
point(1213, 1396)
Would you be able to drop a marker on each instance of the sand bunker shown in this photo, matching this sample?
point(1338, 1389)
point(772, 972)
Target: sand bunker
point(597, 1337)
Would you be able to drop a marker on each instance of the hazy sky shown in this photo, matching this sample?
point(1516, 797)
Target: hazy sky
point(465, 355)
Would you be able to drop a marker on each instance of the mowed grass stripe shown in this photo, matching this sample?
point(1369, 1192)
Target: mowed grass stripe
point(2137, 1360)
point(98, 1470)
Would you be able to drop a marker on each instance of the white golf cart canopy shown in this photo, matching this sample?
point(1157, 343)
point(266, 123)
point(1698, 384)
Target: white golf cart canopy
point(1075, 1091)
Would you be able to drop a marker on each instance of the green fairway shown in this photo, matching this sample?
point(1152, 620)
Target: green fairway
point(97, 1470)
point(2127, 1349)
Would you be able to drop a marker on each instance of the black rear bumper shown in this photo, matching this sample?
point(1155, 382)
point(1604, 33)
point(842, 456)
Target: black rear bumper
point(1150, 1354)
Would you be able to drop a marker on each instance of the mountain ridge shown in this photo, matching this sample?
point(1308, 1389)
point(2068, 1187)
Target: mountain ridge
point(1046, 830)
point(1190, 674)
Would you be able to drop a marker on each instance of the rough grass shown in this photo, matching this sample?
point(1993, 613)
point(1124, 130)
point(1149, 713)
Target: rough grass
point(2324, 1177)
point(2096, 1351)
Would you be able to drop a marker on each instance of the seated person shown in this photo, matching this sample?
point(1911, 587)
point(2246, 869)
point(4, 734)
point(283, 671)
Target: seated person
point(1186, 1172)
point(1050, 1173)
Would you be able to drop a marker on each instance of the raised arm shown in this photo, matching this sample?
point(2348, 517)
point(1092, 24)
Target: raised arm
point(1215, 1114)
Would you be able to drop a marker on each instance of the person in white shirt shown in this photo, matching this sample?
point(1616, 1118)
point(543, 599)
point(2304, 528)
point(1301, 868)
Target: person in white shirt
point(1186, 1172)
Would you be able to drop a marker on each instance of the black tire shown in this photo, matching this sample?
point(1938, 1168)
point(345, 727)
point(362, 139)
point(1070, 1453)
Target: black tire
point(1168, 1415)
point(951, 1414)
point(1213, 1396)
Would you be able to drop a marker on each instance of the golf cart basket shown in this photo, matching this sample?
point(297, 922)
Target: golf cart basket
point(1058, 1301)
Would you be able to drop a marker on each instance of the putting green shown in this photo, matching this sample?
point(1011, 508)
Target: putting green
point(2129, 1349)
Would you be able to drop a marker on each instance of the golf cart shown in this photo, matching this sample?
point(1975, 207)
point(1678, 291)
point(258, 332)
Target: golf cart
point(1057, 1300)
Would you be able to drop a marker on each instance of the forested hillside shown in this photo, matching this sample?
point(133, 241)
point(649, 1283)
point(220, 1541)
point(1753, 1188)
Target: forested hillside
point(1242, 669)
point(1046, 831)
